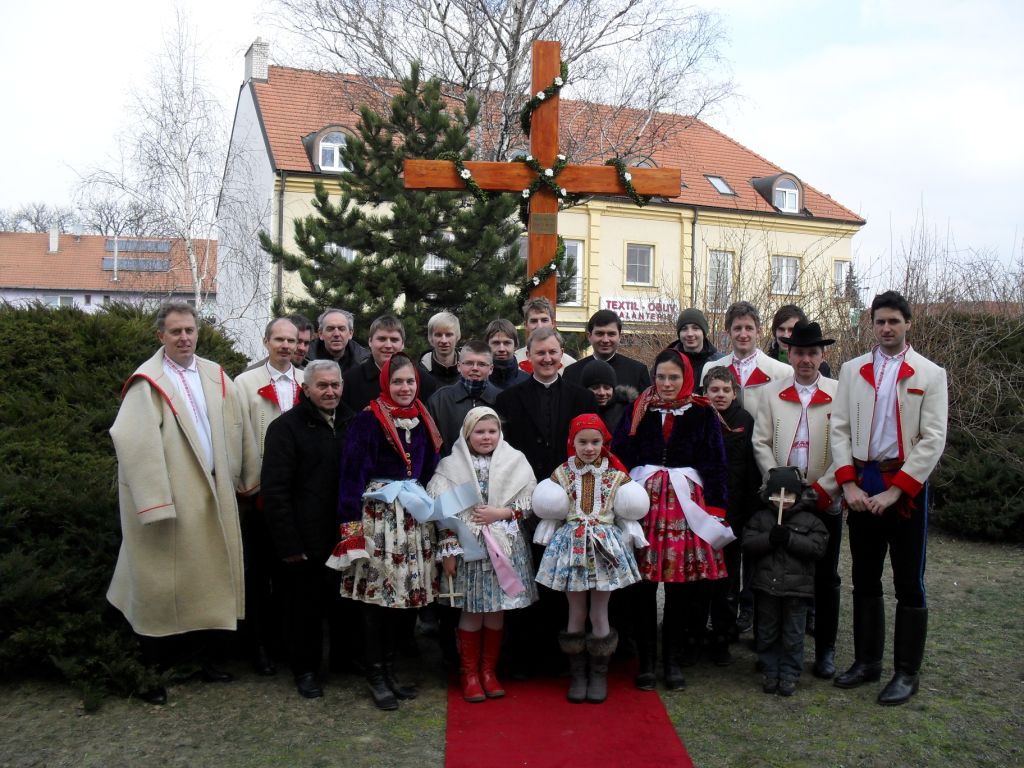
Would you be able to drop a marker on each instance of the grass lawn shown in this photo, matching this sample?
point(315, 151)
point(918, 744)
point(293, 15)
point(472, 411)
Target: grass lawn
point(969, 712)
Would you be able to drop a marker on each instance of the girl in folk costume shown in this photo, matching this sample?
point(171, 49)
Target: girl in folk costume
point(493, 573)
point(673, 443)
point(587, 553)
point(386, 552)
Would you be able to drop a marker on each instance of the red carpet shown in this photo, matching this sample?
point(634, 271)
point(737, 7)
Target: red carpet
point(535, 726)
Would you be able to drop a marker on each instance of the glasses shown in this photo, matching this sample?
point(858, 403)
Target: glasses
point(474, 364)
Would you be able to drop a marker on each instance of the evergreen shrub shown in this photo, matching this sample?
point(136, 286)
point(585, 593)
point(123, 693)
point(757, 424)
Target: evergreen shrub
point(59, 524)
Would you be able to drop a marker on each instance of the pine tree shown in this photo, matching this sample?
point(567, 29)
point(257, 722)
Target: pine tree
point(416, 252)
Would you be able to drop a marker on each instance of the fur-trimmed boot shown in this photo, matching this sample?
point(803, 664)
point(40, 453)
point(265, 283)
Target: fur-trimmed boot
point(469, 665)
point(600, 650)
point(489, 663)
point(574, 645)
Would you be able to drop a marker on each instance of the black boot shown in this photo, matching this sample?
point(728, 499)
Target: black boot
point(671, 649)
point(376, 642)
point(383, 698)
point(403, 692)
point(868, 643)
point(647, 654)
point(908, 651)
point(826, 629)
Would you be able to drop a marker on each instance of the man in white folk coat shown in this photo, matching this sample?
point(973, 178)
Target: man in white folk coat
point(183, 451)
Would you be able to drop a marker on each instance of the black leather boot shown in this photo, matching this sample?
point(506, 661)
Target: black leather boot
point(826, 629)
point(647, 654)
point(671, 650)
point(383, 698)
point(868, 643)
point(908, 651)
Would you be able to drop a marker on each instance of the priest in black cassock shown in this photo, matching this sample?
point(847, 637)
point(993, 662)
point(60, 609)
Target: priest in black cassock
point(604, 331)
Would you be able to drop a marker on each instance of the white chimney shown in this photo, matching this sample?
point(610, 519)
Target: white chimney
point(54, 238)
point(256, 61)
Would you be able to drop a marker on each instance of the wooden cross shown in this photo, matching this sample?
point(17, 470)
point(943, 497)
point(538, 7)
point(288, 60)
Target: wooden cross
point(451, 594)
point(515, 177)
point(782, 497)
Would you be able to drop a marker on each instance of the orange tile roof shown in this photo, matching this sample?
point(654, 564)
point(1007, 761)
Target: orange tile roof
point(78, 265)
point(295, 103)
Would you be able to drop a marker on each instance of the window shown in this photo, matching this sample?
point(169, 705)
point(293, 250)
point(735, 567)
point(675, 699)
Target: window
point(840, 271)
point(88, 299)
point(787, 196)
point(60, 301)
point(786, 275)
point(574, 255)
point(434, 263)
point(638, 263)
point(330, 151)
point(719, 279)
point(347, 254)
point(720, 184)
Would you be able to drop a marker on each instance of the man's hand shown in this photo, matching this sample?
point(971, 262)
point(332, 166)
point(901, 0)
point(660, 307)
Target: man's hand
point(878, 503)
point(855, 497)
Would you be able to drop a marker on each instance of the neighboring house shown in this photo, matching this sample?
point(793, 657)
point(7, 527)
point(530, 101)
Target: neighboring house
point(86, 271)
point(741, 227)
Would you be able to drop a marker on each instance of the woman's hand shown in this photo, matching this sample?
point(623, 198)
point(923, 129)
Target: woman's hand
point(485, 515)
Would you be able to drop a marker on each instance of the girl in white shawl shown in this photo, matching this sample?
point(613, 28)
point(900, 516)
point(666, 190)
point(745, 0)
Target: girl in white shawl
point(484, 548)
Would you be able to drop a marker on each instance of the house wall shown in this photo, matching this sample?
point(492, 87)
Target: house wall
point(88, 301)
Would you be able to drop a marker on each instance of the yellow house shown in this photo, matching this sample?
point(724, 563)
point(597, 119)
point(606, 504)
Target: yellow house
point(741, 227)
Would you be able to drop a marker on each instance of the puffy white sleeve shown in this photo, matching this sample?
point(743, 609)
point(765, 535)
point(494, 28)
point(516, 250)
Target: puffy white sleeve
point(550, 501)
point(631, 501)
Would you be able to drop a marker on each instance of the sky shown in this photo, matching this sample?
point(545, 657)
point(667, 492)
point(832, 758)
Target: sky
point(909, 112)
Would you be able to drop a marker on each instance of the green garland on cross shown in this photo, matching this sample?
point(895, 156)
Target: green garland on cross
point(548, 270)
point(626, 179)
point(526, 115)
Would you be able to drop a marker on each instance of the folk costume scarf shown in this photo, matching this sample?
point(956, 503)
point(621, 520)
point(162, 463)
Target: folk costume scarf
point(649, 400)
point(387, 411)
point(593, 421)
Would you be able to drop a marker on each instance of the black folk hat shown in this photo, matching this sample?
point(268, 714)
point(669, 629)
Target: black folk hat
point(807, 335)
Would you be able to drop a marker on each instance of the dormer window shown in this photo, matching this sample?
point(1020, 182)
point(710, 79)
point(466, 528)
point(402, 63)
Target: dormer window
point(330, 152)
point(787, 196)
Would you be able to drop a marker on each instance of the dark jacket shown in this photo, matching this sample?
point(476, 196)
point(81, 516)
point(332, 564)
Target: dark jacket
point(744, 477)
point(443, 375)
point(449, 406)
point(543, 443)
point(786, 571)
point(354, 354)
point(698, 359)
point(611, 413)
point(299, 484)
point(628, 372)
point(695, 441)
point(362, 384)
point(508, 374)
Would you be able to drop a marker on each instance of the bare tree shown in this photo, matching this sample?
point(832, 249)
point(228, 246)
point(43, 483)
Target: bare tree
point(37, 217)
point(641, 57)
point(173, 155)
point(102, 211)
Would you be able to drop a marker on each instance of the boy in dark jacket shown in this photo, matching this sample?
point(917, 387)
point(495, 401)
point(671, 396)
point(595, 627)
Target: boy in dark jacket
point(721, 389)
point(784, 574)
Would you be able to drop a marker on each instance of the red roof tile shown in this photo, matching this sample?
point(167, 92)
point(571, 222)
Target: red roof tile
point(78, 265)
point(295, 103)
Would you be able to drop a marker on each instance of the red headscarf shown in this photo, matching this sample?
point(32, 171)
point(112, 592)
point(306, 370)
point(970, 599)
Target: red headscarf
point(593, 421)
point(387, 410)
point(650, 398)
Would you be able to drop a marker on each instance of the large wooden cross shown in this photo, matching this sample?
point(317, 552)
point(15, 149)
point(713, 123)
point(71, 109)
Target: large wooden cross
point(515, 177)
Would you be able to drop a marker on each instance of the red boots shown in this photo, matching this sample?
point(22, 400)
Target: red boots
point(477, 664)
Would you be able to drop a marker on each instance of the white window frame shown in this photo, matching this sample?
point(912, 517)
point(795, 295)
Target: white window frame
point(633, 249)
point(718, 296)
point(336, 166)
point(789, 202)
point(60, 301)
point(786, 275)
point(840, 270)
point(574, 250)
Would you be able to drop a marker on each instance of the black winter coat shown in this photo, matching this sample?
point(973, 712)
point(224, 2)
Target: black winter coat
point(744, 477)
point(299, 483)
point(786, 571)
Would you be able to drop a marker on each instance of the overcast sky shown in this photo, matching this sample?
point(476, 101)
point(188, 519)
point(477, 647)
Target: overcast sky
point(899, 110)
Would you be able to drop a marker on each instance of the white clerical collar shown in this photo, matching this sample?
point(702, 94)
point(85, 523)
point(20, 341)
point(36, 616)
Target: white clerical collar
point(545, 384)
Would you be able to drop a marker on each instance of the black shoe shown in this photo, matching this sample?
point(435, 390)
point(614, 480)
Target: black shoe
point(210, 674)
point(861, 672)
point(786, 687)
point(720, 655)
point(262, 664)
point(156, 695)
point(383, 698)
point(825, 664)
point(745, 620)
point(308, 687)
point(402, 692)
point(674, 680)
point(769, 684)
point(899, 690)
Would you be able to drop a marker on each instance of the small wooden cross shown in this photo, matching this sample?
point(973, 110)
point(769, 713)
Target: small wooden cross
point(515, 177)
point(782, 497)
point(451, 594)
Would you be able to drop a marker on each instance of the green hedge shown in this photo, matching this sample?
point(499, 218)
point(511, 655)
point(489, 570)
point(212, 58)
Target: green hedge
point(59, 527)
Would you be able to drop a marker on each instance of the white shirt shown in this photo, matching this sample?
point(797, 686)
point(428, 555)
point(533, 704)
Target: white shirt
point(190, 387)
point(744, 367)
point(884, 443)
point(284, 385)
point(802, 439)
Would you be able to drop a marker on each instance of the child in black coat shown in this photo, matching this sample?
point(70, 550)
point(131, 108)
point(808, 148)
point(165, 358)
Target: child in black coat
point(784, 574)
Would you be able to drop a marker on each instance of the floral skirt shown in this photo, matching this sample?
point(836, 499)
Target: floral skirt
point(565, 570)
point(400, 572)
point(478, 583)
point(676, 553)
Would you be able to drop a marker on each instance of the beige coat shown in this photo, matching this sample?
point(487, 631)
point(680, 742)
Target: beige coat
point(767, 370)
point(258, 399)
point(775, 425)
point(923, 399)
point(180, 564)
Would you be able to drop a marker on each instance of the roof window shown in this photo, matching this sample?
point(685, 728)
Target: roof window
point(721, 185)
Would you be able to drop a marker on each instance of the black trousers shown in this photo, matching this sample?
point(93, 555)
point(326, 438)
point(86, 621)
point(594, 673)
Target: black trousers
point(904, 538)
point(264, 609)
point(311, 594)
